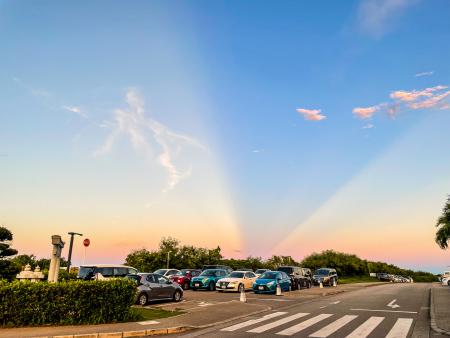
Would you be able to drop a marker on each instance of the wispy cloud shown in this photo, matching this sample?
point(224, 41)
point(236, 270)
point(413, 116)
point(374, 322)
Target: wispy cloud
point(37, 92)
point(256, 151)
point(365, 113)
point(76, 110)
point(424, 74)
point(368, 126)
point(144, 132)
point(377, 17)
point(402, 100)
point(311, 114)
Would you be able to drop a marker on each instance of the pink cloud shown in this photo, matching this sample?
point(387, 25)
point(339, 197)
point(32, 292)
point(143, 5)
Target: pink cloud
point(311, 114)
point(409, 96)
point(365, 113)
point(431, 102)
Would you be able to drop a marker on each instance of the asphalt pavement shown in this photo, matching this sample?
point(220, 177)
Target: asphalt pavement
point(391, 310)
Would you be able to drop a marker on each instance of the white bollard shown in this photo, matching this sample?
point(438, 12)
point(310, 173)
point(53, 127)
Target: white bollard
point(278, 289)
point(321, 285)
point(243, 297)
point(334, 283)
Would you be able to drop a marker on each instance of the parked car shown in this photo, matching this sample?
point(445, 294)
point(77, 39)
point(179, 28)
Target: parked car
point(244, 269)
point(208, 279)
point(223, 267)
point(267, 282)
point(325, 275)
point(104, 271)
point(308, 276)
point(236, 281)
point(446, 281)
point(259, 272)
point(298, 279)
point(153, 287)
point(167, 272)
point(183, 278)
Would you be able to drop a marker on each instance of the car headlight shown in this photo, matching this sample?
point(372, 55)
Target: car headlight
point(205, 280)
point(271, 283)
point(326, 278)
point(232, 284)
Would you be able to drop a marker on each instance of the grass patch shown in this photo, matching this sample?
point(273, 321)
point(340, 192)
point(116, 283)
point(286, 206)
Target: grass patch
point(357, 279)
point(150, 314)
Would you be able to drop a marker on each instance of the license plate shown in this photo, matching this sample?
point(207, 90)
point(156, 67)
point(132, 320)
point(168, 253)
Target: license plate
point(261, 287)
point(197, 284)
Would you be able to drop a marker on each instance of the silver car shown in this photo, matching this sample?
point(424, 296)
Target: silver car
point(154, 287)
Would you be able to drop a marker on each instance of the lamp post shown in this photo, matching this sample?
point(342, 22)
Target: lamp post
point(69, 258)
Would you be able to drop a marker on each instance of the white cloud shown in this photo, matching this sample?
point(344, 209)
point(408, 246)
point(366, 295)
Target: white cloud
point(424, 74)
point(256, 151)
point(368, 126)
point(144, 132)
point(376, 17)
point(367, 112)
point(76, 110)
point(311, 114)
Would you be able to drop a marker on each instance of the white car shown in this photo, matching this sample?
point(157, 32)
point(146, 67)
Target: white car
point(167, 272)
point(446, 278)
point(236, 281)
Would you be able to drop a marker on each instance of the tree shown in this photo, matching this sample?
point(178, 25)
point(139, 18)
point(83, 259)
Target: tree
point(7, 268)
point(443, 225)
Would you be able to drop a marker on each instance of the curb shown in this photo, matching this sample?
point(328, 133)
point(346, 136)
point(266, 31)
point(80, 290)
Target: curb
point(433, 324)
point(155, 332)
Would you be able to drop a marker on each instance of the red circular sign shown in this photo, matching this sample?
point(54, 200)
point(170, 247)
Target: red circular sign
point(86, 242)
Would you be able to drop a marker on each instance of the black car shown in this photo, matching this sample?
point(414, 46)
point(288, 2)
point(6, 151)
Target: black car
point(154, 287)
point(298, 278)
point(325, 275)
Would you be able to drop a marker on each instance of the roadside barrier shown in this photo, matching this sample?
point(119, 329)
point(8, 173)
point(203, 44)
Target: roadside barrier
point(334, 283)
point(243, 297)
point(321, 285)
point(278, 289)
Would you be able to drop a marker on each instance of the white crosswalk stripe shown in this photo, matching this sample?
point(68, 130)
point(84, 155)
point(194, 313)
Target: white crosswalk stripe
point(400, 328)
point(277, 323)
point(253, 321)
point(333, 327)
point(303, 325)
point(366, 328)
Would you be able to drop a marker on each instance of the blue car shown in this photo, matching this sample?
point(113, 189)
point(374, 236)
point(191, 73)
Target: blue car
point(207, 279)
point(267, 282)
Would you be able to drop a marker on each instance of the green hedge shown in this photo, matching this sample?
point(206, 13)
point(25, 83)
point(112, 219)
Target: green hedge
point(71, 302)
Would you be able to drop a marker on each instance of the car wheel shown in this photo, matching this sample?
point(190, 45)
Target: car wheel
point(241, 287)
point(194, 289)
point(177, 296)
point(185, 286)
point(448, 283)
point(212, 286)
point(142, 299)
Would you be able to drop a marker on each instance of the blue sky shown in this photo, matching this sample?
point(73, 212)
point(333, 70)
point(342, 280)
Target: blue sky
point(132, 121)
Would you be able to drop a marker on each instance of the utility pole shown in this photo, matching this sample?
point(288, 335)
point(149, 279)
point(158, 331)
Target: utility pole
point(69, 258)
point(168, 259)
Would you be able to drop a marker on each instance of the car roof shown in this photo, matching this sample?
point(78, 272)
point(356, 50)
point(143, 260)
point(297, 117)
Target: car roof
point(243, 271)
point(106, 266)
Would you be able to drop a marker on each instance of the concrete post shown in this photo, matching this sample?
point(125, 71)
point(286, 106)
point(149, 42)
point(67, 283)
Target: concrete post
point(55, 262)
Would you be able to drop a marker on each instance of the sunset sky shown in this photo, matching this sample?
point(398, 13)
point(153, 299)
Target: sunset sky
point(274, 127)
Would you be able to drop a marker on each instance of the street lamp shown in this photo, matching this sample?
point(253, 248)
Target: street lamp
point(69, 259)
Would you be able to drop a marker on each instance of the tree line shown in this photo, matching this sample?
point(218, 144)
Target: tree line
point(187, 256)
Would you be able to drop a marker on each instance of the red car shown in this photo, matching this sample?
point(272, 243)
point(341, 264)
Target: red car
point(184, 277)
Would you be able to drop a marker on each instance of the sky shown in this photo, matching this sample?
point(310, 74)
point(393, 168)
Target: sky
point(275, 127)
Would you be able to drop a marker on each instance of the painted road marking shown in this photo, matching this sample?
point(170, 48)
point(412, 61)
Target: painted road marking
point(303, 325)
point(400, 328)
point(390, 311)
point(366, 328)
point(393, 305)
point(278, 323)
point(253, 321)
point(148, 322)
point(333, 327)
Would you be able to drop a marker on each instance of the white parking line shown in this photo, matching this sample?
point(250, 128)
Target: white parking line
point(400, 328)
point(333, 327)
point(303, 325)
point(253, 321)
point(366, 328)
point(278, 323)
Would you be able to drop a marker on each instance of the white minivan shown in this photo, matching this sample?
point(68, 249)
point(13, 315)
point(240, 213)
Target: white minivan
point(104, 271)
point(446, 278)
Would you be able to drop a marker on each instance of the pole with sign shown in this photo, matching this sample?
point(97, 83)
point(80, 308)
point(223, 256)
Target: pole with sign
point(86, 243)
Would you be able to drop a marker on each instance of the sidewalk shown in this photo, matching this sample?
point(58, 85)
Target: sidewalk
point(440, 308)
point(199, 318)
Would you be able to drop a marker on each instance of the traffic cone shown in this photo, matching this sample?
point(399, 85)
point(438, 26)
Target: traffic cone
point(321, 285)
point(278, 289)
point(334, 283)
point(243, 297)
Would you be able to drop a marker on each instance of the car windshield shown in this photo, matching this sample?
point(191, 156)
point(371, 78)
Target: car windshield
point(182, 273)
point(208, 273)
point(260, 271)
point(236, 274)
point(270, 275)
point(160, 271)
point(286, 270)
point(321, 272)
point(85, 271)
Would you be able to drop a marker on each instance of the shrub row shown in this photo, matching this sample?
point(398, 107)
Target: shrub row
point(71, 302)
